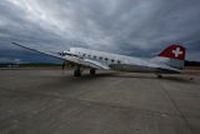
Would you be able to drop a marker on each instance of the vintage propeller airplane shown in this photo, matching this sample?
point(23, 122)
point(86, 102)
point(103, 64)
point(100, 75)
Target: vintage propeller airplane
point(171, 60)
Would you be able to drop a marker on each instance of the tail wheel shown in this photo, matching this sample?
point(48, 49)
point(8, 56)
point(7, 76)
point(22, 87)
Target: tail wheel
point(92, 71)
point(159, 76)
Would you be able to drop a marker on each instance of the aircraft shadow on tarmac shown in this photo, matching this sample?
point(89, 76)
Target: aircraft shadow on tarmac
point(174, 78)
point(61, 81)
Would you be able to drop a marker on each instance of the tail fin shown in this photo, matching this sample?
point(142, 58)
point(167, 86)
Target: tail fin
point(175, 55)
point(174, 52)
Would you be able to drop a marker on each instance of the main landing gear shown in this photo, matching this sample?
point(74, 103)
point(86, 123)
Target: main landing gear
point(92, 71)
point(77, 72)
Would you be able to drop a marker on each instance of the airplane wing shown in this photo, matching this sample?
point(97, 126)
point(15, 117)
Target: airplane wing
point(97, 64)
point(69, 58)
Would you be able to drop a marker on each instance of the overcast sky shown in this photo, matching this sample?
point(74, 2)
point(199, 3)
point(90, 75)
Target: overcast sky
point(131, 27)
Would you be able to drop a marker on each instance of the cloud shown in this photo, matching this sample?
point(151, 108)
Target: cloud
point(131, 27)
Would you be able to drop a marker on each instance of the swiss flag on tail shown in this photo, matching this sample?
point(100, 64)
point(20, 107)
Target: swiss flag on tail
point(174, 52)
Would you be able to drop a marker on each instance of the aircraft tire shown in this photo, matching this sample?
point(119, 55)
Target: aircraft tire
point(92, 71)
point(159, 76)
point(77, 73)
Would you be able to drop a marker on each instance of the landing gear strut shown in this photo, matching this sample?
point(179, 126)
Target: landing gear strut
point(92, 71)
point(63, 65)
point(77, 72)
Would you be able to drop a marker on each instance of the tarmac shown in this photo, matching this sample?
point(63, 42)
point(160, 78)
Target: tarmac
point(39, 101)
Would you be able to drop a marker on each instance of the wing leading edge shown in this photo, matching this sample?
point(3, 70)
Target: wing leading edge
point(69, 58)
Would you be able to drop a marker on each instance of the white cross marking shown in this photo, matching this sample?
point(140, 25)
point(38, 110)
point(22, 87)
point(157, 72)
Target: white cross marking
point(177, 52)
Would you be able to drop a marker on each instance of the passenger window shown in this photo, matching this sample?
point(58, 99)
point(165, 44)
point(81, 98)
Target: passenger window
point(100, 58)
point(106, 59)
point(112, 60)
point(94, 57)
point(118, 62)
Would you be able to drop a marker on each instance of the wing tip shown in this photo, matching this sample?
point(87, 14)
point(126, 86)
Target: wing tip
point(14, 43)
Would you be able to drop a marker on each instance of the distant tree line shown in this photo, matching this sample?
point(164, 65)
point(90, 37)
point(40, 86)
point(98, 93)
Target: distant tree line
point(187, 63)
point(192, 63)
